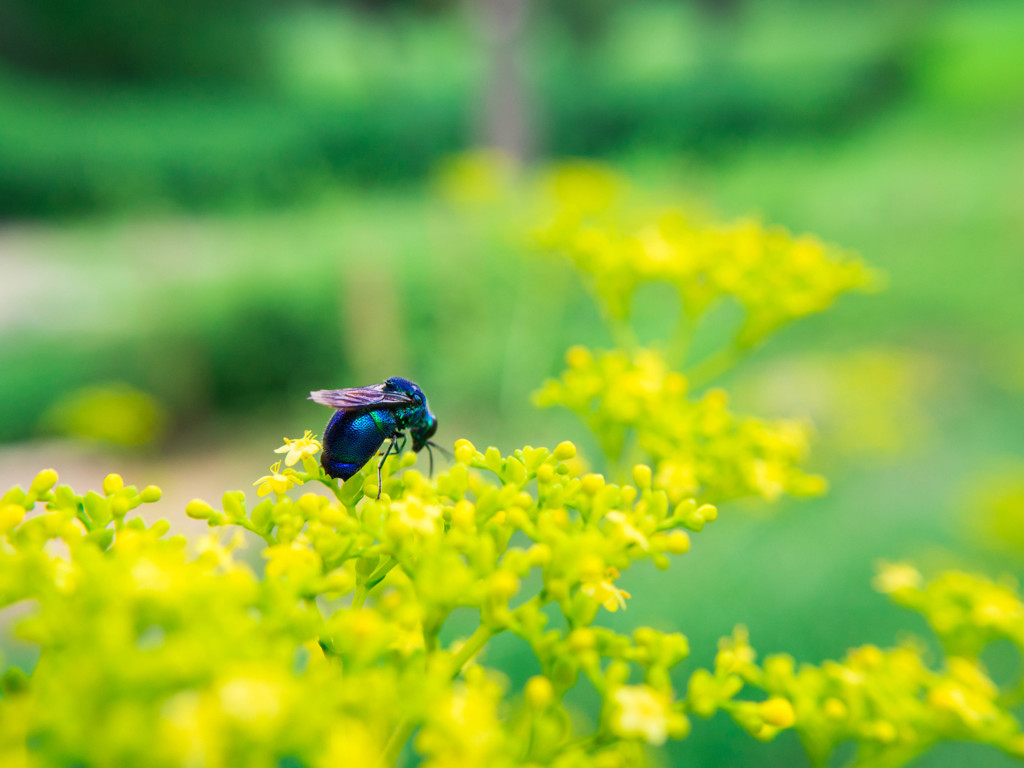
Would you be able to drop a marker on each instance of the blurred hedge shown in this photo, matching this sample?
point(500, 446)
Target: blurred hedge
point(340, 96)
point(218, 351)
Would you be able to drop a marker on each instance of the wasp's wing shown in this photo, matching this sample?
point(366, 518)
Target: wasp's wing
point(357, 398)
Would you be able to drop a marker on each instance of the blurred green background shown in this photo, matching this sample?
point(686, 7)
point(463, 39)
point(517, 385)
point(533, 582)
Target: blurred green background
point(210, 207)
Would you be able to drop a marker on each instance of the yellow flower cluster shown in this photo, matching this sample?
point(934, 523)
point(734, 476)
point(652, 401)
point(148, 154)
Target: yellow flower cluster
point(890, 702)
point(774, 276)
point(635, 404)
point(182, 657)
point(636, 401)
point(966, 611)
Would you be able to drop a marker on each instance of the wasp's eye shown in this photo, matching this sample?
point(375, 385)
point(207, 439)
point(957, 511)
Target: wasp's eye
point(432, 428)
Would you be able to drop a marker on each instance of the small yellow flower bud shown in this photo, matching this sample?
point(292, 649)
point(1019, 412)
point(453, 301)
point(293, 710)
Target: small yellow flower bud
point(777, 712)
point(578, 357)
point(582, 639)
point(464, 451)
point(678, 725)
point(43, 482)
point(628, 495)
point(592, 484)
point(703, 693)
point(112, 483)
point(119, 507)
point(557, 589)
point(538, 692)
point(518, 518)
point(709, 512)
point(677, 542)
point(515, 470)
point(503, 584)
point(397, 528)
point(616, 673)
point(463, 514)
point(870, 656)
point(198, 509)
point(539, 555)
point(642, 476)
point(725, 659)
point(645, 636)
point(592, 568)
point(810, 485)
point(339, 581)
point(780, 666)
point(884, 731)
point(493, 459)
point(10, 516)
point(545, 473)
point(564, 451)
point(835, 709)
point(676, 646)
point(150, 494)
point(897, 577)
point(232, 502)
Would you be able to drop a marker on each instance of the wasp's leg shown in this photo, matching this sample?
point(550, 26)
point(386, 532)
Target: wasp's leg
point(404, 437)
point(381, 464)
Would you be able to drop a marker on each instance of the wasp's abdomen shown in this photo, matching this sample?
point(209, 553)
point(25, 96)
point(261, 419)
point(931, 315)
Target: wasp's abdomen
point(352, 438)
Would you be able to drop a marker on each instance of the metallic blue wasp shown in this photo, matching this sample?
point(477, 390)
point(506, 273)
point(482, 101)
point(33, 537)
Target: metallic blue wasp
point(367, 416)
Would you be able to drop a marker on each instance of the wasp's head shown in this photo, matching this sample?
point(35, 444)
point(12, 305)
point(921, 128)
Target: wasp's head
point(421, 435)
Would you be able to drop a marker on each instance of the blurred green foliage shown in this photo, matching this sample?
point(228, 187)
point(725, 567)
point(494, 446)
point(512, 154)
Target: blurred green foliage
point(221, 353)
point(263, 104)
point(120, 40)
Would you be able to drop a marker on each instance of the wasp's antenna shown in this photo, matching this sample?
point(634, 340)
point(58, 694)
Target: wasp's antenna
point(443, 451)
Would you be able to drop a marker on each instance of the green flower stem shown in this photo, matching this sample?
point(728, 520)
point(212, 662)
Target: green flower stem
point(404, 730)
point(682, 336)
point(375, 578)
point(378, 576)
point(401, 734)
point(331, 483)
point(269, 539)
point(714, 365)
point(83, 517)
point(472, 647)
point(359, 597)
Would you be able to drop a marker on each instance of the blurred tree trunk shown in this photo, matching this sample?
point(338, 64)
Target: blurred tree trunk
point(505, 121)
point(723, 10)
